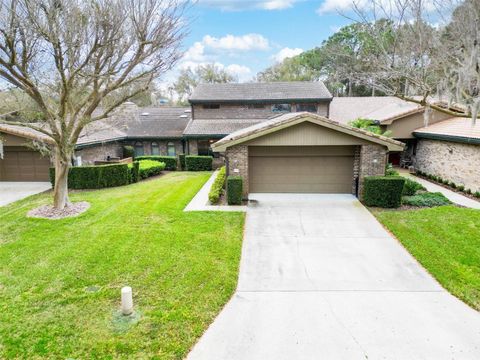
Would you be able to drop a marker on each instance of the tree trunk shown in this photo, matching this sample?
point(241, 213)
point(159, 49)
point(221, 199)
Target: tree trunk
point(60, 195)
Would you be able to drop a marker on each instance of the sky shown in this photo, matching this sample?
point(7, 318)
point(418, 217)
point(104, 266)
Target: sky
point(247, 36)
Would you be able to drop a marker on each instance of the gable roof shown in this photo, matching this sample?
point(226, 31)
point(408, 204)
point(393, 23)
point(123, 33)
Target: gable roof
point(25, 132)
point(384, 109)
point(258, 92)
point(287, 120)
point(454, 129)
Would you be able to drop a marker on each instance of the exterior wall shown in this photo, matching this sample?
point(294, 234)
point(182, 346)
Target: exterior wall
point(162, 145)
point(237, 160)
point(192, 147)
point(242, 111)
point(356, 169)
point(99, 152)
point(455, 162)
point(403, 128)
point(372, 162)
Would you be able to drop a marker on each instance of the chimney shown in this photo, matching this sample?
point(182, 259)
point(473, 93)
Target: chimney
point(128, 111)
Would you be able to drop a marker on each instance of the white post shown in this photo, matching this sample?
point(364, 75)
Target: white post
point(127, 300)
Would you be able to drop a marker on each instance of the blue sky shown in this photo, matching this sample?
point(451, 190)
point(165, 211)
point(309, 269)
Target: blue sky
point(246, 36)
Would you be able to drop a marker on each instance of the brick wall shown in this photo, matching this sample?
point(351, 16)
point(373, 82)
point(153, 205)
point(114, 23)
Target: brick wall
point(237, 160)
point(455, 162)
point(356, 169)
point(100, 152)
point(162, 145)
point(229, 111)
point(372, 162)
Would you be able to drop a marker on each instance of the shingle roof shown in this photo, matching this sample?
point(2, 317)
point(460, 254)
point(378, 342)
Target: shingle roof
point(25, 132)
point(460, 128)
point(275, 91)
point(294, 118)
point(381, 108)
point(219, 127)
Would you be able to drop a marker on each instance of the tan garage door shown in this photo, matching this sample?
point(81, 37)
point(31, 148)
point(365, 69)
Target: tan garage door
point(315, 169)
point(23, 164)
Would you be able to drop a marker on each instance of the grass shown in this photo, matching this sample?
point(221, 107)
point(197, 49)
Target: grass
point(60, 280)
point(446, 241)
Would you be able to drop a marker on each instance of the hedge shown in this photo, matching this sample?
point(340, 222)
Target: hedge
point(170, 161)
point(149, 168)
point(383, 191)
point(411, 187)
point(134, 171)
point(217, 186)
point(198, 163)
point(234, 190)
point(95, 177)
point(426, 200)
point(181, 160)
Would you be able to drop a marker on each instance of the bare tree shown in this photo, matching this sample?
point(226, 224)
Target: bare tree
point(416, 57)
point(79, 60)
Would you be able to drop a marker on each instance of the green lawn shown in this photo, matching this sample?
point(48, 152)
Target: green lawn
point(60, 280)
point(446, 241)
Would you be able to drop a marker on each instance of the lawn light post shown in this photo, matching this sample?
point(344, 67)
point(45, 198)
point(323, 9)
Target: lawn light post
point(127, 301)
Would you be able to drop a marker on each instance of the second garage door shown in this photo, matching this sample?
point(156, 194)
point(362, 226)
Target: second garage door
point(23, 164)
point(309, 169)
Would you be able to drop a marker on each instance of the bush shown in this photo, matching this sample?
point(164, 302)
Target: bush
point(134, 171)
point(460, 187)
point(426, 200)
point(469, 191)
point(390, 171)
point(198, 163)
point(411, 187)
point(128, 151)
point(452, 185)
point(95, 177)
point(169, 161)
point(234, 190)
point(181, 160)
point(477, 194)
point(147, 168)
point(217, 186)
point(383, 191)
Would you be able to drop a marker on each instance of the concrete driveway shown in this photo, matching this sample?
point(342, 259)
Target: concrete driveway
point(11, 191)
point(321, 279)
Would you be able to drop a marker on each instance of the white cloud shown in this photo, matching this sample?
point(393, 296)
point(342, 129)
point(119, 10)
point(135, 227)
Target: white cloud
point(329, 6)
point(383, 6)
point(239, 5)
point(286, 53)
point(241, 43)
point(241, 71)
point(195, 52)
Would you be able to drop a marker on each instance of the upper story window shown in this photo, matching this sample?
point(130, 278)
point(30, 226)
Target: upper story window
point(307, 107)
point(256, 106)
point(211, 106)
point(139, 148)
point(155, 148)
point(281, 107)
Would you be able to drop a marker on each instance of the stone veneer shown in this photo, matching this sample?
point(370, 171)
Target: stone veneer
point(455, 162)
point(369, 160)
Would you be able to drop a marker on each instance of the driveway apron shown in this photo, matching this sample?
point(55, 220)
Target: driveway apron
point(320, 278)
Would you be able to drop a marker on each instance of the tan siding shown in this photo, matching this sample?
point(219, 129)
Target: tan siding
point(403, 128)
point(309, 134)
point(12, 140)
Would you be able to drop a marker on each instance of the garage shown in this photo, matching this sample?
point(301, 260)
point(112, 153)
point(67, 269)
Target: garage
point(301, 169)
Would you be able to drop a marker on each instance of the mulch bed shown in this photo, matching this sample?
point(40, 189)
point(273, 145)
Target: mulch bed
point(471, 196)
point(49, 212)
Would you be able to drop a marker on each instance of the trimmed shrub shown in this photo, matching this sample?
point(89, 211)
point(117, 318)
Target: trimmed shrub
point(426, 200)
point(181, 160)
point(383, 191)
point(134, 171)
point(95, 177)
point(390, 171)
point(234, 190)
point(468, 191)
point(198, 163)
point(149, 168)
point(411, 187)
point(477, 194)
point(452, 185)
point(217, 186)
point(460, 187)
point(128, 151)
point(169, 161)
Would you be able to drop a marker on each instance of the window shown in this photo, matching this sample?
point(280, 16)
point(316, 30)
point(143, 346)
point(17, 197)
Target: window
point(281, 108)
point(307, 107)
point(155, 148)
point(256, 106)
point(203, 147)
point(211, 106)
point(171, 149)
point(138, 148)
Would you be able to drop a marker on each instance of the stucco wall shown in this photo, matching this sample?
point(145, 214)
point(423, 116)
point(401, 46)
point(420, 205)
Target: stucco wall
point(229, 111)
point(455, 162)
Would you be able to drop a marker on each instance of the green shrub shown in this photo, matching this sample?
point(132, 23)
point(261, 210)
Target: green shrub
point(234, 190)
point(426, 200)
point(198, 163)
point(149, 168)
point(452, 185)
point(383, 191)
point(477, 194)
point(411, 187)
point(390, 171)
point(217, 186)
point(181, 160)
point(134, 171)
point(95, 177)
point(169, 161)
point(460, 187)
point(444, 181)
point(469, 191)
point(128, 151)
